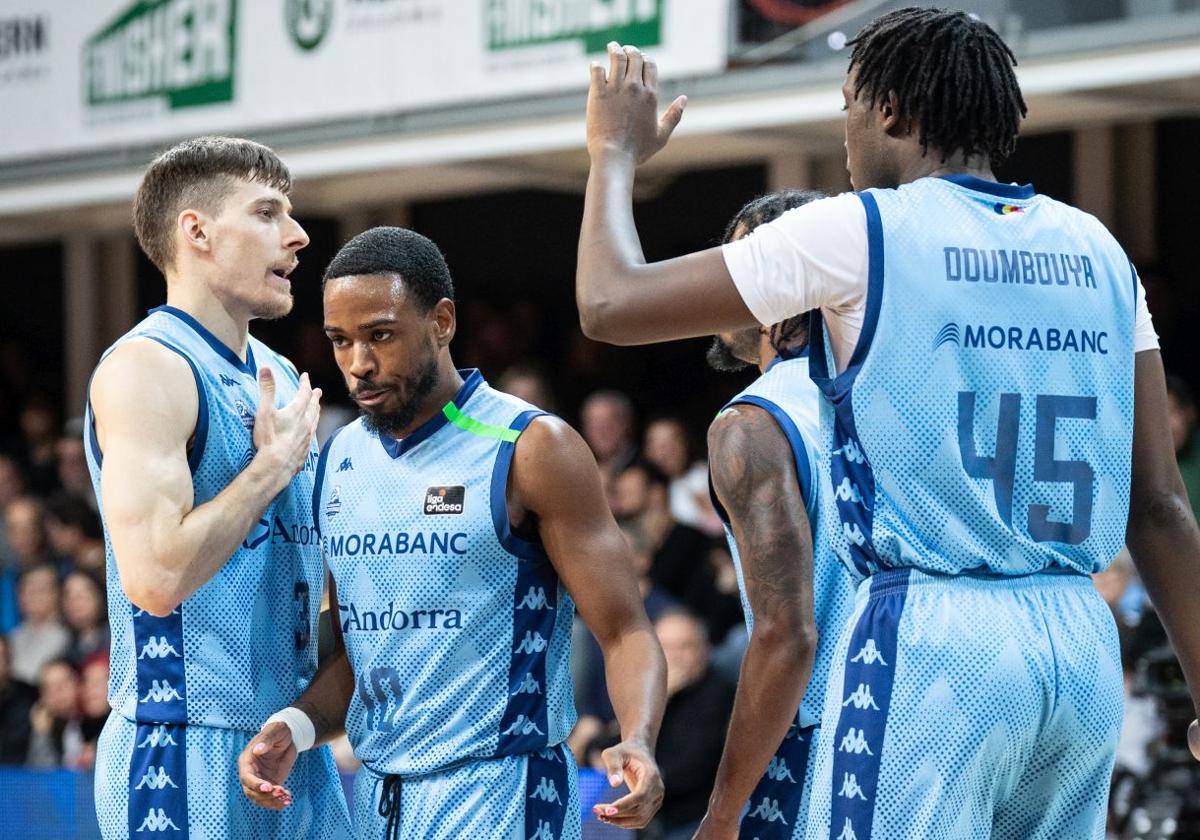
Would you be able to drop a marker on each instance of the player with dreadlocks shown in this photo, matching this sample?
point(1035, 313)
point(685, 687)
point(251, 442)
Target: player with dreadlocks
point(768, 468)
point(983, 351)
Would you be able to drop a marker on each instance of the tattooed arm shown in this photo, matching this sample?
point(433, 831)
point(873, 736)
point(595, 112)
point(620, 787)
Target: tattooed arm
point(754, 476)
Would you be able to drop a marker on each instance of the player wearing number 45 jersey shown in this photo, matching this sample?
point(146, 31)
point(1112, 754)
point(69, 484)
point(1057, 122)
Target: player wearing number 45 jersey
point(461, 526)
point(997, 408)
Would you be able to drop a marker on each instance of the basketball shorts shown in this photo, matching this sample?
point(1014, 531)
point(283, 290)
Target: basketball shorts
point(969, 707)
point(533, 796)
point(778, 808)
point(182, 782)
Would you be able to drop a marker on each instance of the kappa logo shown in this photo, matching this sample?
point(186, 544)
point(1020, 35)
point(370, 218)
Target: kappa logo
point(543, 832)
point(445, 500)
point(546, 791)
point(855, 741)
point(768, 811)
point(532, 643)
point(777, 771)
point(244, 414)
point(156, 778)
point(850, 788)
point(793, 733)
point(535, 599)
point(157, 820)
point(869, 655)
point(158, 737)
point(157, 647)
point(851, 452)
point(334, 506)
point(849, 492)
point(549, 754)
point(528, 686)
point(523, 726)
point(161, 692)
point(861, 698)
point(228, 381)
point(853, 533)
point(346, 464)
point(847, 831)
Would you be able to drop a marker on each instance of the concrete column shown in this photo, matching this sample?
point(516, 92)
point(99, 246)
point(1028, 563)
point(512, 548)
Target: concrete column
point(1094, 152)
point(789, 172)
point(81, 302)
point(118, 288)
point(1136, 186)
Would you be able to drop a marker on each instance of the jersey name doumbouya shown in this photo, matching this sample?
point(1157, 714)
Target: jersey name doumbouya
point(788, 394)
point(241, 646)
point(457, 630)
point(985, 419)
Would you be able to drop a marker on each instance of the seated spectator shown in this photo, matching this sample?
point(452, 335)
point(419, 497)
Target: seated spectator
point(25, 525)
point(693, 729)
point(1182, 412)
point(39, 425)
point(12, 488)
point(666, 445)
point(40, 637)
point(528, 382)
point(75, 532)
point(85, 614)
point(608, 427)
point(57, 738)
point(73, 474)
point(93, 706)
point(16, 700)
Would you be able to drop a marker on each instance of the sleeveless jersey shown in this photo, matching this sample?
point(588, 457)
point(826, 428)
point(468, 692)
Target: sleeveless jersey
point(240, 647)
point(458, 631)
point(788, 394)
point(985, 419)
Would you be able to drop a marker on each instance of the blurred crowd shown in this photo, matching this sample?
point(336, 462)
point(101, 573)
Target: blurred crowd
point(53, 608)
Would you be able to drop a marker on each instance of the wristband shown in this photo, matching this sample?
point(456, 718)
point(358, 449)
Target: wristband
point(304, 734)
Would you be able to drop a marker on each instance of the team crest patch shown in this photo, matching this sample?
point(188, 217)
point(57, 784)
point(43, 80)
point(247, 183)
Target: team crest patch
point(441, 500)
point(334, 506)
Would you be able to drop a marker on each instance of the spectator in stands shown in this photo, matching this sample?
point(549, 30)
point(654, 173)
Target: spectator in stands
point(528, 382)
point(1187, 442)
point(608, 428)
point(40, 637)
point(57, 738)
point(75, 532)
point(667, 446)
point(693, 730)
point(39, 424)
point(73, 474)
point(84, 611)
point(16, 701)
point(12, 488)
point(93, 706)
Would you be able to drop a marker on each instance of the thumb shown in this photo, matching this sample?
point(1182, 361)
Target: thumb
point(614, 763)
point(266, 390)
point(671, 118)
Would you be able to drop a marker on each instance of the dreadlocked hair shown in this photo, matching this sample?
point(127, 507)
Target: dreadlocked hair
point(951, 73)
point(759, 211)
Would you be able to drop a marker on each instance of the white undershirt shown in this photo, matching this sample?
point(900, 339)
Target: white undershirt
point(816, 256)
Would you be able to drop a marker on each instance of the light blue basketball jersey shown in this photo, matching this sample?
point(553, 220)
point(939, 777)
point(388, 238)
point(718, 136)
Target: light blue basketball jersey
point(984, 422)
point(788, 394)
point(457, 630)
point(241, 647)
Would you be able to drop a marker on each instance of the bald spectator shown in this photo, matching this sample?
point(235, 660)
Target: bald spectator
point(16, 701)
point(608, 428)
point(528, 382)
point(40, 637)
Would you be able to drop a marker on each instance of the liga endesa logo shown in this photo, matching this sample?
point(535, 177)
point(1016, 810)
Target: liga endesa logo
point(445, 500)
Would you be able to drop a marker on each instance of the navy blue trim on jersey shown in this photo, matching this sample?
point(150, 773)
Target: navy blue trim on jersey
point(220, 349)
point(991, 187)
point(161, 679)
point(319, 478)
point(92, 440)
point(546, 793)
point(472, 379)
point(777, 802)
point(513, 544)
point(867, 691)
point(158, 781)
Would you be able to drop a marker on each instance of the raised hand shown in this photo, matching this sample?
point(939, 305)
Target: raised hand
point(622, 107)
point(264, 766)
point(629, 762)
point(283, 436)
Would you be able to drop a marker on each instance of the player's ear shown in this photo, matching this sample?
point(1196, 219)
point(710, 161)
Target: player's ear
point(889, 115)
point(192, 230)
point(445, 321)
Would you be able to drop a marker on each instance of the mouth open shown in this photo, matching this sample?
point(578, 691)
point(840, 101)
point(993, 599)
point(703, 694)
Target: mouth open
point(371, 397)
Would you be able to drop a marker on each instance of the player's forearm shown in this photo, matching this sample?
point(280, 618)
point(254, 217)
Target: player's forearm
point(609, 246)
point(775, 672)
point(637, 683)
point(1165, 544)
point(327, 698)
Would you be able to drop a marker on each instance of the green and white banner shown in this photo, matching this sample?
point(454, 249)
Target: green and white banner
point(85, 75)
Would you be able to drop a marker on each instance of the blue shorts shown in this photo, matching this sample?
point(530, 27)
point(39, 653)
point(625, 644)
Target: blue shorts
point(183, 780)
point(967, 707)
point(778, 808)
point(534, 796)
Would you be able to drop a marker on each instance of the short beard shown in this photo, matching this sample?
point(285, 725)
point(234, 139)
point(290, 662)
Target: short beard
point(720, 357)
point(418, 386)
point(271, 312)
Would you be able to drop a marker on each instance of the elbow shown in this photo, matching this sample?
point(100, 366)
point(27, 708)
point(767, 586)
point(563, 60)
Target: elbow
point(789, 639)
point(596, 320)
point(1160, 509)
point(158, 598)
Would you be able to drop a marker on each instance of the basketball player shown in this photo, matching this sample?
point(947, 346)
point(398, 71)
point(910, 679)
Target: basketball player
point(204, 477)
point(460, 525)
point(768, 470)
point(978, 346)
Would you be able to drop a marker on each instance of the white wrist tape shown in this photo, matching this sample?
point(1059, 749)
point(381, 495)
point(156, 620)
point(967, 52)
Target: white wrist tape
point(304, 734)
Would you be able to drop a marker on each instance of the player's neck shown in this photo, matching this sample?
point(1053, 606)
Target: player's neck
point(931, 165)
point(231, 330)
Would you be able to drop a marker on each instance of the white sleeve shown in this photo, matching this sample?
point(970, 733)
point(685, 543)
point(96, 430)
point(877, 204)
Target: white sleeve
point(812, 256)
point(1144, 336)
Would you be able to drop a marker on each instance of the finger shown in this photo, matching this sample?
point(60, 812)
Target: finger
point(618, 61)
point(1194, 740)
point(614, 763)
point(597, 74)
point(650, 74)
point(670, 118)
point(264, 800)
point(266, 390)
point(633, 71)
